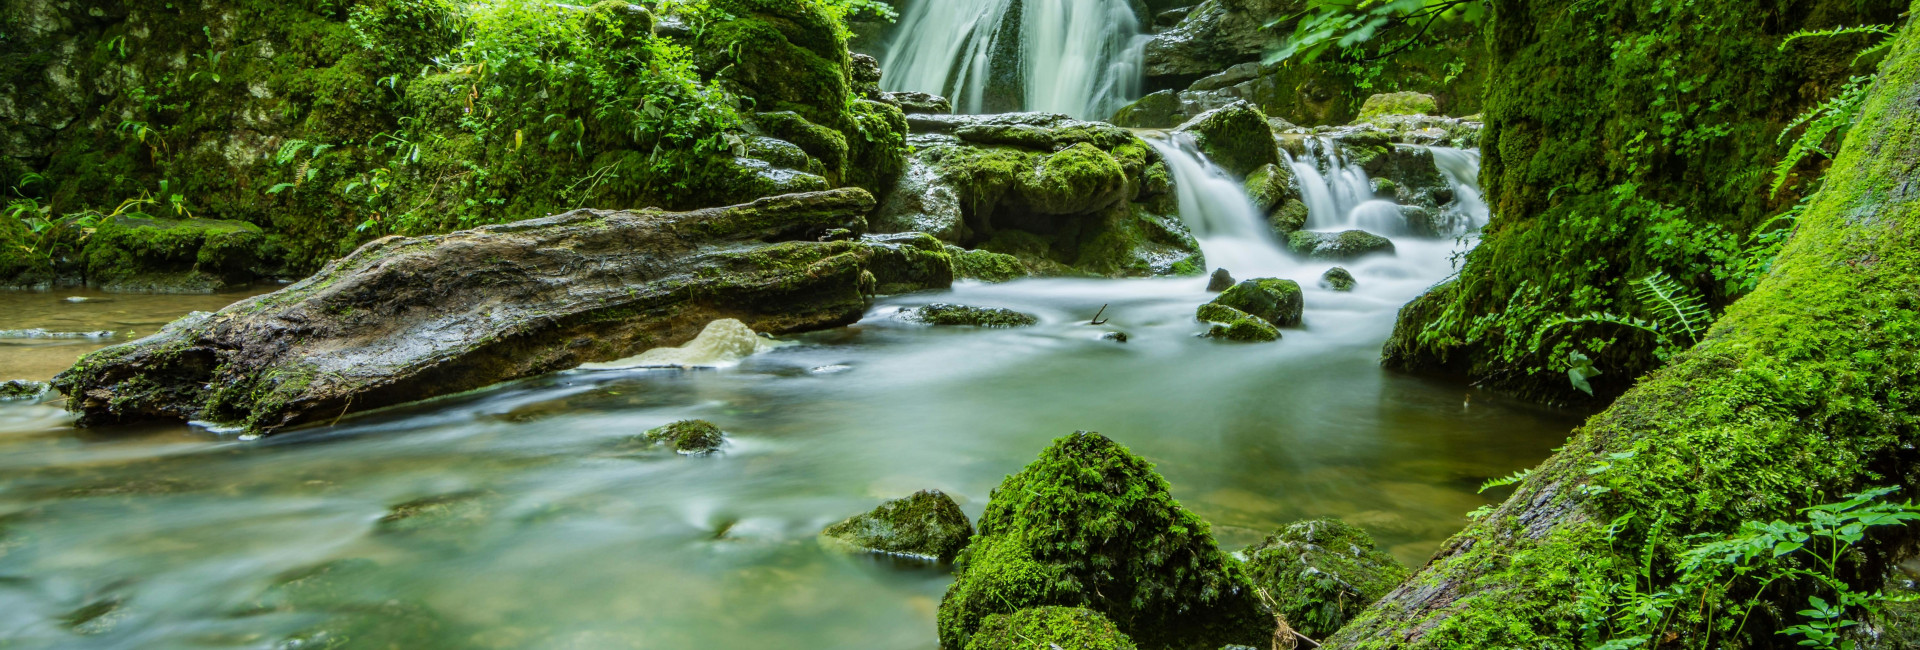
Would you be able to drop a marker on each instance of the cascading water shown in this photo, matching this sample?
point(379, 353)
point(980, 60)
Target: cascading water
point(1078, 57)
point(1230, 230)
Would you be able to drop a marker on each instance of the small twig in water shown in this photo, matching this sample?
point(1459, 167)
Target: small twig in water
point(1096, 316)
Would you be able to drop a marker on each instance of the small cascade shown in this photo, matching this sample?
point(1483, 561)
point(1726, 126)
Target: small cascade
point(1231, 232)
point(1078, 57)
point(1462, 169)
point(1340, 195)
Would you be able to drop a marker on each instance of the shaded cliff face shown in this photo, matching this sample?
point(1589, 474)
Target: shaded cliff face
point(329, 124)
point(1622, 139)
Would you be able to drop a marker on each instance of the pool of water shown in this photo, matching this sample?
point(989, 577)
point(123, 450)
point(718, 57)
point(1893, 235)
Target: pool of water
point(42, 332)
point(532, 528)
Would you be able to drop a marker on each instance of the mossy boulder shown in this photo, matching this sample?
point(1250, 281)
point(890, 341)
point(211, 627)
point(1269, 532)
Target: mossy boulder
point(1273, 186)
point(19, 389)
point(1220, 281)
point(913, 102)
point(926, 524)
point(1227, 323)
point(786, 54)
point(1089, 524)
point(946, 314)
point(1049, 627)
point(1322, 572)
point(1157, 110)
point(152, 255)
point(985, 265)
point(1236, 137)
point(1273, 300)
point(1400, 103)
point(1337, 279)
point(1288, 218)
point(1347, 245)
point(687, 437)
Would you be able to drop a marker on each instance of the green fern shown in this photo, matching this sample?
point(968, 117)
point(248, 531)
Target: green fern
point(1882, 30)
point(1509, 479)
point(1833, 116)
point(1677, 309)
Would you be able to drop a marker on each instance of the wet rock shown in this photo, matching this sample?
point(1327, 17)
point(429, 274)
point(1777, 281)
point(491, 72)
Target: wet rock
point(1273, 300)
point(404, 319)
point(1272, 187)
point(352, 609)
point(864, 69)
point(20, 389)
point(1216, 34)
point(1049, 627)
point(1157, 110)
point(1402, 103)
point(1289, 217)
point(1337, 279)
point(913, 102)
point(908, 262)
point(1116, 337)
point(1091, 525)
point(985, 265)
point(945, 314)
point(688, 437)
point(1219, 281)
point(462, 509)
point(1235, 137)
point(1232, 324)
point(1321, 573)
point(1351, 244)
point(927, 524)
point(149, 255)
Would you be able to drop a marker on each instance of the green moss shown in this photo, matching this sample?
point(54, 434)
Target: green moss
point(690, 437)
point(945, 314)
point(1346, 245)
point(925, 524)
point(1400, 103)
point(1272, 186)
point(1049, 627)
point(1078, 179)
point(985, 265)
point(1640, 135)
point(1234, 325)
point(1337, 279)
point(1273, 300)
point(166, 255)
point(1235, 137)
point(1321, 572)
point(1089, 524)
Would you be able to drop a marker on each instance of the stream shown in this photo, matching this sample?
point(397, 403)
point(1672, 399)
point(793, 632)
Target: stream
point(512, 517)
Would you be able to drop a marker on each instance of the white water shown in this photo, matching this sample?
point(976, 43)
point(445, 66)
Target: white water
point(1078, 57)
point(1233, 234)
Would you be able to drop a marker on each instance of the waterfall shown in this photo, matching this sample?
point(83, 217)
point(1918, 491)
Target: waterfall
point(1462, 169)
point(1231, 231)
point(1078, 57)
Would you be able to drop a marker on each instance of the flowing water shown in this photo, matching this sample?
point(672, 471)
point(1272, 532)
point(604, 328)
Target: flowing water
point(41, 333)
point(1078, 57)
point(512, 517)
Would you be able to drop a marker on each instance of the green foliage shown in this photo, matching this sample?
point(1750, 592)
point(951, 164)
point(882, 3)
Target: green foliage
point(1809, 559)
point(1388, 27)
point(1829, 120)
point(1509, 479)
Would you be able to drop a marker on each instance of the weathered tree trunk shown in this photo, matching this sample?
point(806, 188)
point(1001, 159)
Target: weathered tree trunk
point(404, 319)
point(1805, 390)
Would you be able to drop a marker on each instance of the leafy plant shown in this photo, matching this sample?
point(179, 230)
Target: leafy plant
point(1509, 479)
point(1678, 309)
point(1831, 119)
point(1394, 26)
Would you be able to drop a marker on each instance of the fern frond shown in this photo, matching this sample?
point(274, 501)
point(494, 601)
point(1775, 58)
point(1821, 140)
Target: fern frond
point(1883, 30)
point(1509, 479)
point(1834, 115)
point(1607, 319)
point(288, 151)
point(1677, 308)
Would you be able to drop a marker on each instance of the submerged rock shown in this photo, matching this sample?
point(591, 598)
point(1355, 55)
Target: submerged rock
point(18, 389)
point(1116, 337)
point(722, 342)
point(1235, 325)
point(1337, 279)
point(1049, 627)
point(1219, 281)
point(1321, 573)
point(945, 314)
point(1273, 300)
point(1089, 524)
point(404, 319)
point(1351, 244)
point(927, 524)
point(462, 509)
point(688, 437)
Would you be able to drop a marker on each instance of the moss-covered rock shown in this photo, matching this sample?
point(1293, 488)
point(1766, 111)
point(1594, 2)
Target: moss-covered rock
point(985, 265)
point(174, 255)
point(946, 314)
point(687, 437)
point(1337, 279)
point(1288, 218)
point(912, 102)
point(1273, 186)
point(1231, 324)
point(1049, 627)
point(18, 389)
point(926, 524)
point(1346, 245)
point(1219, 281)
point(1236, 137)
point(1321, 572)
point(1273, 300)
point(1400, 103)
point(1088, 524)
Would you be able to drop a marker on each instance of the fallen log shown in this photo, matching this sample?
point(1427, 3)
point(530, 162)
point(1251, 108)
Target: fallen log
point(409, 318)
